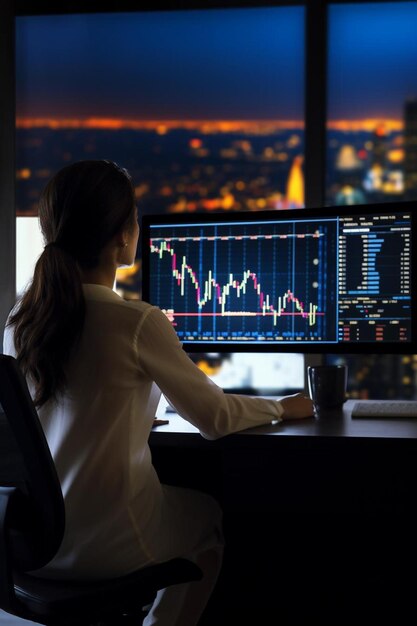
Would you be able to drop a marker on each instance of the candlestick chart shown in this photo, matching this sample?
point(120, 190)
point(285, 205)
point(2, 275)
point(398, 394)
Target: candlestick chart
point(245, 283)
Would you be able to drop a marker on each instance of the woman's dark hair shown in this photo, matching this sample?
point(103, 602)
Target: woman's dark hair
point(80, 210)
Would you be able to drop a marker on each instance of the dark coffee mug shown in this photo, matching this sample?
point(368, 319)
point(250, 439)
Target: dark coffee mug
point(327, 386)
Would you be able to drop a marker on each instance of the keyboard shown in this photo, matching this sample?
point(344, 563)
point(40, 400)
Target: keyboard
point(385, 408)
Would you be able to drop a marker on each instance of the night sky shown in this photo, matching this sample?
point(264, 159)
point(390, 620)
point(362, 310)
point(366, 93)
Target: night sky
point(372, 60)
point(214, 64)
point(200, 64)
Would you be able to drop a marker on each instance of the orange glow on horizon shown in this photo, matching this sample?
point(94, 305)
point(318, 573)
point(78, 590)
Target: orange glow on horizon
point(118, 123)
point(205, 126)
point(368, 124)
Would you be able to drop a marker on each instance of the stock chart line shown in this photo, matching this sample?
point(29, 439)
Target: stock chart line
point(212, 289)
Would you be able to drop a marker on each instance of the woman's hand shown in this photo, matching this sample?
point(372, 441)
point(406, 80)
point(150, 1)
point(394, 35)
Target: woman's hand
point(297, 406)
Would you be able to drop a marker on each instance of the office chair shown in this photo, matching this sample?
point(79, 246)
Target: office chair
point(32, 519)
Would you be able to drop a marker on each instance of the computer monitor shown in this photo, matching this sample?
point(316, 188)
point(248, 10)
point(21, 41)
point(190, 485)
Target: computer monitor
point(334, 279)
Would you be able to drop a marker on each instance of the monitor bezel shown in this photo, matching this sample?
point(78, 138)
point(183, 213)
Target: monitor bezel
point(148, 220)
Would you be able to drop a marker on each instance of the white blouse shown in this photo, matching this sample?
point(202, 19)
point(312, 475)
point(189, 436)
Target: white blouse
point(98, 431)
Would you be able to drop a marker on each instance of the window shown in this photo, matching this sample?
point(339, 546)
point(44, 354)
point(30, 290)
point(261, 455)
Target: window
point(372, 142)
point(371, 138)
point(372, 103)
point(205, 108)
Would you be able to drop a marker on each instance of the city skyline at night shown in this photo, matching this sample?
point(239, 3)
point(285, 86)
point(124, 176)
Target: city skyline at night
point(204, 91)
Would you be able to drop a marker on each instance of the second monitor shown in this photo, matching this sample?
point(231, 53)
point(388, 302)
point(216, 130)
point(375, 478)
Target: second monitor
point(335, 279)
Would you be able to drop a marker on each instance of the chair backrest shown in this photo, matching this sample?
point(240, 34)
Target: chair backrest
point(36, 516)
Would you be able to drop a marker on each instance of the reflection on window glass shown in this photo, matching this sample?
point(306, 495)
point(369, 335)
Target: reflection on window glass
point(372, 103)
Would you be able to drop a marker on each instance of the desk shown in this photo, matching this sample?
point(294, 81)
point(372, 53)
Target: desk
point(319, 517)
point(336, 425)
point(342, 465)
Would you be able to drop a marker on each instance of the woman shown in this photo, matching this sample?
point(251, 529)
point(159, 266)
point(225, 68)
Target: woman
point(96, 365)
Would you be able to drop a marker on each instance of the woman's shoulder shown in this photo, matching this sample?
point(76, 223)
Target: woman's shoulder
point(105, 304)
point(104, 295)
point(139, 306)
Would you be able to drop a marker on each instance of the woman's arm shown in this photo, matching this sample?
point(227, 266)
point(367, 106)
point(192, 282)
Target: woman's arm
point(194, 396)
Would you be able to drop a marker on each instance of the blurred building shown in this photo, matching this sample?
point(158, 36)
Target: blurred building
point(410, 145)
point(380, 376)
point(380, 141)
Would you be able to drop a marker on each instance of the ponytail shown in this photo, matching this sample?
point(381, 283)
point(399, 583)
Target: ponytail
point(48, 321)
point(80, 210)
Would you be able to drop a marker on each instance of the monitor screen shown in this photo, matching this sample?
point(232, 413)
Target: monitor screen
point(311, 280)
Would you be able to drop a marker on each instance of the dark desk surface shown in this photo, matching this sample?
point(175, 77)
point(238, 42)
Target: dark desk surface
point(338, 425)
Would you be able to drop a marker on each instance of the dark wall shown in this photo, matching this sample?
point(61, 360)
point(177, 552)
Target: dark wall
point(7, 216)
